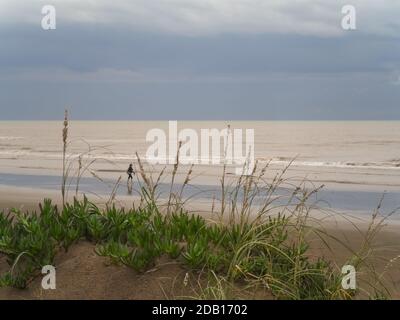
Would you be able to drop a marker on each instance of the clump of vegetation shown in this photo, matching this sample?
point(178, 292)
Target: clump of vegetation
point(257, 252)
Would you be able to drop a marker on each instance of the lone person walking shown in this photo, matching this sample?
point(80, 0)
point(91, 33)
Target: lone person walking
point(130, 172)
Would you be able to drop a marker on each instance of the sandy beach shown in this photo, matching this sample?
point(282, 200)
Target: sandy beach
point(81, 274)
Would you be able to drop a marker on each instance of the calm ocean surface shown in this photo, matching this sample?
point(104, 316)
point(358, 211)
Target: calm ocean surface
point(325, 143)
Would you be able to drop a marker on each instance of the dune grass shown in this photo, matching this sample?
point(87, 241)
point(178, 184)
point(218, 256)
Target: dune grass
point(137, 238)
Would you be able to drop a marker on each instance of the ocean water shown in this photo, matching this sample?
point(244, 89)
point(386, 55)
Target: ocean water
point(356, 161)
point(329, 144)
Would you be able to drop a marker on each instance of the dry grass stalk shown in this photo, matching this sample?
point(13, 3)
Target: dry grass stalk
point(65, 144)
point(113, 193)
point(174, 172)
point(142, 172)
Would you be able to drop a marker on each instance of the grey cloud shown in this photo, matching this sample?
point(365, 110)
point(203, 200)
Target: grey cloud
point(212, 17)
point(192, 59)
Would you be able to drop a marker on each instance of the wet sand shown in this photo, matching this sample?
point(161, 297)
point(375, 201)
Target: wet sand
point(204, 186)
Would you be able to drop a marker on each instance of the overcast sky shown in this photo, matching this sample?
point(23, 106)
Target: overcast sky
point(200, 59)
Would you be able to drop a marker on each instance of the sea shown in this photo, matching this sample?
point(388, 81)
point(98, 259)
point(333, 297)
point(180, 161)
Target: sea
point(356, 161)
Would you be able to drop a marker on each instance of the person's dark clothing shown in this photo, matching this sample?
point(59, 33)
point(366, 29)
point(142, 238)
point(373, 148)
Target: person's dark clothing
point(130, 173)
